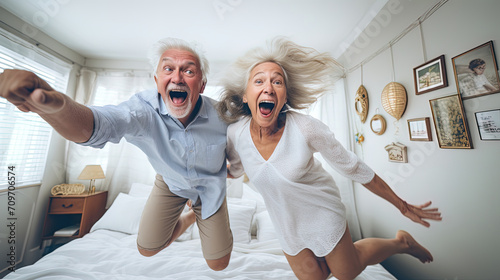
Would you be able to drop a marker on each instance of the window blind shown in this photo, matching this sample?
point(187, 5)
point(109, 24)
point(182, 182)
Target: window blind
point(25, 137)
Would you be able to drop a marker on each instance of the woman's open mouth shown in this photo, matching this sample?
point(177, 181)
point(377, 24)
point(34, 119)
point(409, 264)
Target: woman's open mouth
point(266, 107)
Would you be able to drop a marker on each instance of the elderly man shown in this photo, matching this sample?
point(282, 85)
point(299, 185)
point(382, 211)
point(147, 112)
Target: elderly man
point(177, 128)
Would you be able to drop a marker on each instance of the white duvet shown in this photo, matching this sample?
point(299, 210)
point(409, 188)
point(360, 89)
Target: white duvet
point(109, 255)
point(109, 251)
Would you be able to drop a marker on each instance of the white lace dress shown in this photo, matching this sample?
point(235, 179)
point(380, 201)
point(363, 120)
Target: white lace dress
point(301, 197)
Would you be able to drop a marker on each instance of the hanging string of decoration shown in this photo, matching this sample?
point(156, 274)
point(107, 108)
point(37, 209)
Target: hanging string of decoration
point(422, 39)
point(401, 35)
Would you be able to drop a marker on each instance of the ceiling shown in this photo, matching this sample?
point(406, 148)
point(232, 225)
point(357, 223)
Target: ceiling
point(124, 30)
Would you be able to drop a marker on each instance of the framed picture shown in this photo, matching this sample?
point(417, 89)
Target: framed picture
point(488, 123)
point(420, 129)
point(476, 71)
point(430, 75)
point(450, 122)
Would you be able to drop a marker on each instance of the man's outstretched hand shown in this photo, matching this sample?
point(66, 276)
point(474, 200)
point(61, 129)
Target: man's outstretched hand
point(29, 93)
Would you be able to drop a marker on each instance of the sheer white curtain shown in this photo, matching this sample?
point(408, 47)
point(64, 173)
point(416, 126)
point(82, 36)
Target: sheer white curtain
point(332, 109)
point(123, 163)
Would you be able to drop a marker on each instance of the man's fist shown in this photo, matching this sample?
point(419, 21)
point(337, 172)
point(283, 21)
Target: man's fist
point(28, 92)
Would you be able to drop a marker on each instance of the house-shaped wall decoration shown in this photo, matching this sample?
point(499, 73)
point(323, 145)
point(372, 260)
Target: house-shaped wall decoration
point(397, 152)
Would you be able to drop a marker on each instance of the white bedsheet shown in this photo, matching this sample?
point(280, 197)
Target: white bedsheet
point(110, 255)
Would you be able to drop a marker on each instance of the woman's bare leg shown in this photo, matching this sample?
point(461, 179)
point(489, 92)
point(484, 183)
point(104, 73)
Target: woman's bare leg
point(306, 265)
point(349, 259)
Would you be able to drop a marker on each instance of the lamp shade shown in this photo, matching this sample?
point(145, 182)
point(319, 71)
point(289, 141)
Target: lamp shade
point(92, 172)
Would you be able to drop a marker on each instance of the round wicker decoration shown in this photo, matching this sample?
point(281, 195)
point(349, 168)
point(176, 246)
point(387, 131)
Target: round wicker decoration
point(67, 189)
point(361, 103)
point(394, 99)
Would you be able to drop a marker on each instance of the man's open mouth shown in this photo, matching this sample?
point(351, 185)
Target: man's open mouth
point(266, 107)
point(178, 96)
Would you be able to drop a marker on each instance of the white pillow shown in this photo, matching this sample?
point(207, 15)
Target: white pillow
point(140, 190)
point(241, 213)
point(124, 215)
point(265, 227)
point(250, 193)
point(234, 187)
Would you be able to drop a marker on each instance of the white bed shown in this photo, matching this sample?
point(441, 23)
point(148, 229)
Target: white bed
point(109, 250)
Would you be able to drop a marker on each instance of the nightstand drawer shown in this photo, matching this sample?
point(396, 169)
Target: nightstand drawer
point(66, 205)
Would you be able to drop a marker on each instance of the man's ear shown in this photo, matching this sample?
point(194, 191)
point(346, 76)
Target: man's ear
point(203, 88)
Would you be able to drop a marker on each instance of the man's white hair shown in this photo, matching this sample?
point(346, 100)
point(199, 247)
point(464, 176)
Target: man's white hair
point(165, 44)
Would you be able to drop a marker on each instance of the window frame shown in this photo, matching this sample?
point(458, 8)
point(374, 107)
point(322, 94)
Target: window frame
point(25, 137)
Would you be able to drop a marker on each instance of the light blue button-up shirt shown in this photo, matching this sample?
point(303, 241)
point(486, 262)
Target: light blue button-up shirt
point(191, 159)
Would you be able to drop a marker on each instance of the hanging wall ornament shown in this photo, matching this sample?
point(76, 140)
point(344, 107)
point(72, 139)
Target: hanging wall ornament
point(394, 99)
point(361, 103)
point(394, 96)
point(361, 100)
point(397, 152)
point(378, 124)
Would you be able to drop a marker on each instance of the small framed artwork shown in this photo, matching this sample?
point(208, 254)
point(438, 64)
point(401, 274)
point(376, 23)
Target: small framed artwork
point(430, 75)
point(476, 71)
point(419, 129)
point(488, 123)
point(450, 122)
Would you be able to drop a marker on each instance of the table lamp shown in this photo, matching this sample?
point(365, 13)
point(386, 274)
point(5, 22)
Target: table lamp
point(92, 172)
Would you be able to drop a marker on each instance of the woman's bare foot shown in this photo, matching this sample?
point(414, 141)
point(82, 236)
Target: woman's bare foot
point(413, 247)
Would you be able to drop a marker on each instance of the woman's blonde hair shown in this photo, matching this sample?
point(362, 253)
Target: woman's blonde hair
point(308, 74)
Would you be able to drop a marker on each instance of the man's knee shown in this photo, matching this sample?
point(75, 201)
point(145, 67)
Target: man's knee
point(219, 264)
point(146, 253)
point(150, 252)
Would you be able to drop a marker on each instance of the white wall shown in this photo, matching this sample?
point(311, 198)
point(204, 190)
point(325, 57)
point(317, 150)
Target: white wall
point(462, 183)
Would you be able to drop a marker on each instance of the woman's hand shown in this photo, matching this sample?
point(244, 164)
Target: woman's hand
point(414, 213)
point(421, 212)
point(229, 176)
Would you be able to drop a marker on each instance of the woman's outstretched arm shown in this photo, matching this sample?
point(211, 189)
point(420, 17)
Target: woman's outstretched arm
point(418, 214)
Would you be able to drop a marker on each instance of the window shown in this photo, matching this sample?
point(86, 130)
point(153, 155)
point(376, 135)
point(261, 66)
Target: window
point(25, 137)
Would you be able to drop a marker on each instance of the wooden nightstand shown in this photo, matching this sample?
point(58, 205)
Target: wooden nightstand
point(67, 210)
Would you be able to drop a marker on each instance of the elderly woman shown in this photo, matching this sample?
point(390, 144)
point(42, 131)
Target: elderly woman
point(274, 146)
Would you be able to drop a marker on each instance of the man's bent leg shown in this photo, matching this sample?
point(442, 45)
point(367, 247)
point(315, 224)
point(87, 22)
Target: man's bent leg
point(216, 237)
point(160, 224)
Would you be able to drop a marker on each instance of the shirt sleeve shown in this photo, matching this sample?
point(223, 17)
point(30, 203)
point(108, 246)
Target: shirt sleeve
point(113, 122)
point(236, 167)
point(321, 139)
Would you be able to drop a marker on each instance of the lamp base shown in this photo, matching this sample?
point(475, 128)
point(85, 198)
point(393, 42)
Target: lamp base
point(92, 187)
